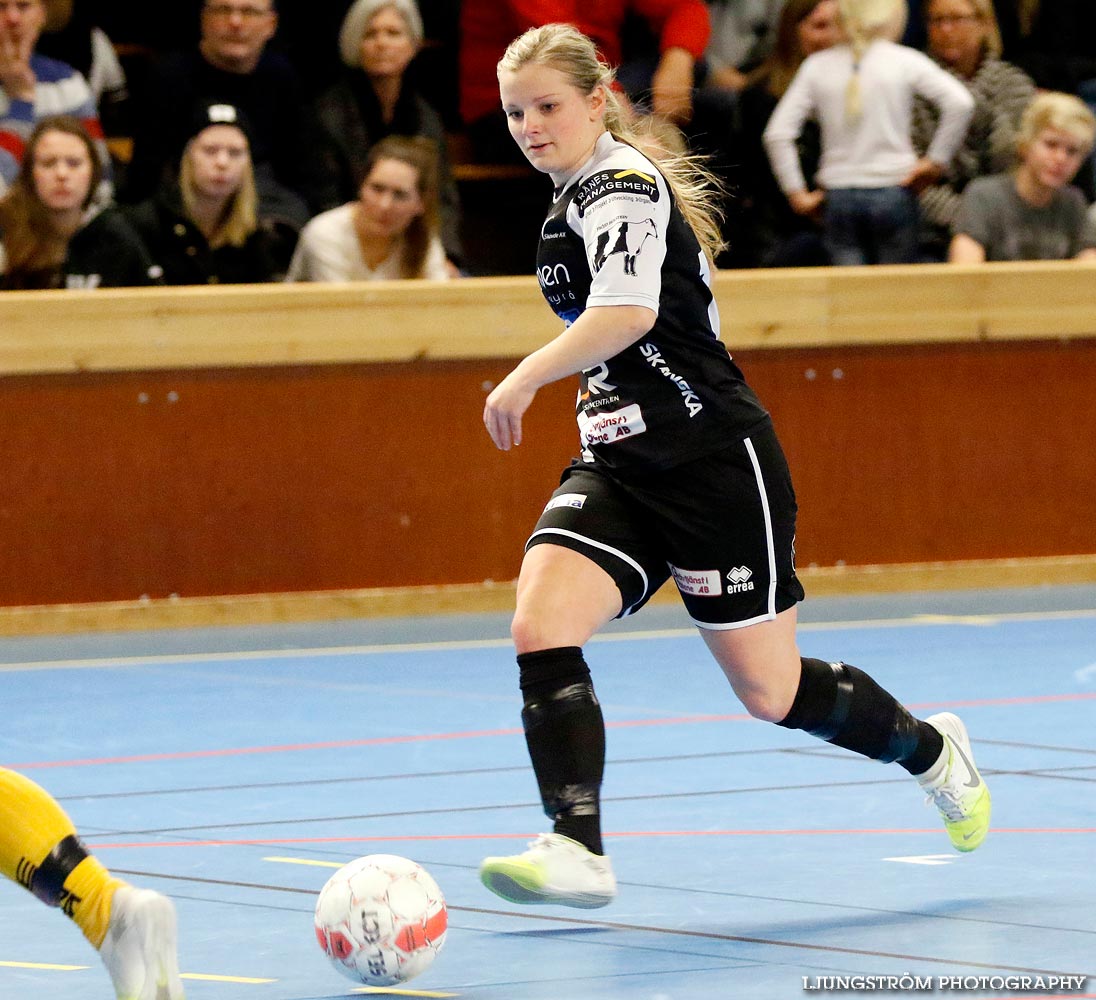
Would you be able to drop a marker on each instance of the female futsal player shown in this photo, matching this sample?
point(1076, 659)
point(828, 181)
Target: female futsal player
point(680, 474)
point(132, 929)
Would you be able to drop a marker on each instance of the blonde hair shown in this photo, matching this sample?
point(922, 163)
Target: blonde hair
point(864, 21)
point(356, 24)
point(694, 187)
point(1055, 110)
point(239, 218)
point(983, 10)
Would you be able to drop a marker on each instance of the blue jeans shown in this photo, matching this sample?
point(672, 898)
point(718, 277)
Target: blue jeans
point(871, 226)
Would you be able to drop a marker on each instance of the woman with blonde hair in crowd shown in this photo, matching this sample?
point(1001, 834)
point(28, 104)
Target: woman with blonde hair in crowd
point(390, 231)
point(964, 38)
point(376, 97)
point(862, 93)
point(680, 475)
point(1033, 212)
point(203, 228)
point(53, 234)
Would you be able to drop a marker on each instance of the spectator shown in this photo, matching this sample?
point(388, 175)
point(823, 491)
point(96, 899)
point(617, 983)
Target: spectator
point(964, 38)
point(390, 231)
point(374, 99)
point(51, 233)
point(870, 174)
point(34, 86)
point(488, 26)
point(72, 36)
point(743, 35)
point(771, 234)
point(231, 65)
point(204, 229)
point(1033, 213)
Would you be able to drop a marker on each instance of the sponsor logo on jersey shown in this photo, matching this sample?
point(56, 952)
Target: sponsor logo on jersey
point(625, 238)
point(698, 582)
point(657, 362)
point(596, 381)
point(575, 500)
point(739, 580)
point(551, 275)
point(611, 426)
point(610, 182)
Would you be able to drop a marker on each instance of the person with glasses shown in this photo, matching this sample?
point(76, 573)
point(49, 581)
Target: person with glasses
point(390, 231)
point(964, 38)
point(34, 86)
point(232, 65)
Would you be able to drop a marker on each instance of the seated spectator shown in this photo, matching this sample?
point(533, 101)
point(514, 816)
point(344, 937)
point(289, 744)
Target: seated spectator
point(72, 36)
point(51, 233)
point(1033, 213)
point(391, 231)
point(378, 40)
point(770, 234)
point(680, 27)
point(231, 65)
point(862, 94)
point(33, 87)
point(203, 229)
point(964, 38)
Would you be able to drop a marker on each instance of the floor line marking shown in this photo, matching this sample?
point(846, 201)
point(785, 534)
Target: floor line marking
point(49, 966)
point(508, 731)
point(375, 649)
point(426, 837)
point(210, 978)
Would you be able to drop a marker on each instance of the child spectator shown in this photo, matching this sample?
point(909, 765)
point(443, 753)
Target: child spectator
point(391, 231)
point(51, 235)
point(862, 94)
point(1033, 213)
point(203, 228)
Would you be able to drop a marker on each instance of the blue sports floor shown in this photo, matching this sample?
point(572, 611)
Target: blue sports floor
point(235, 769)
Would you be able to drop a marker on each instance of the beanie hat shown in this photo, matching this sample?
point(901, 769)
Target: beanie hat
point(219, 113)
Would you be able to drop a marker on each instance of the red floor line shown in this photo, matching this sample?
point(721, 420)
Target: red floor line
point(682, 720)
point(273, 841)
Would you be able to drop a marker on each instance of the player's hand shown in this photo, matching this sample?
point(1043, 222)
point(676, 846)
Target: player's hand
point(504, 409)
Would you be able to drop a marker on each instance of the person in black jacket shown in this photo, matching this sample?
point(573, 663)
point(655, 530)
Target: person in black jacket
point(203, 228)
point(374, 99)
point(232, 64)
point(52, 233)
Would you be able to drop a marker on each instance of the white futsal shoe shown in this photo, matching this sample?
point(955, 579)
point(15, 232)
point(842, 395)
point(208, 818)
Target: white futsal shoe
point(139, 950)
point(555, 869)
point(956, 788)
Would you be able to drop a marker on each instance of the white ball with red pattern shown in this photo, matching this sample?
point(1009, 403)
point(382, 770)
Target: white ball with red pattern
point(381, 920)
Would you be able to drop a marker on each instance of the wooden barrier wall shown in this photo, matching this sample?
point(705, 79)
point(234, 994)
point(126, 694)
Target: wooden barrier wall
point(271, 439)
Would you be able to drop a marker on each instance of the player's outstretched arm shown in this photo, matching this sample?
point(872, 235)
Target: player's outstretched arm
point(597, 335)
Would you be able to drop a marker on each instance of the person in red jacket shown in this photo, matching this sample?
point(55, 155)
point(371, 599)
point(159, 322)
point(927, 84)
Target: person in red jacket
point(682, 28)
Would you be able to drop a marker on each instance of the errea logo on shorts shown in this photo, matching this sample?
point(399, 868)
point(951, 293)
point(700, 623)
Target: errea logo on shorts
point(697, 582)
point(739, 580)
point(575, 500)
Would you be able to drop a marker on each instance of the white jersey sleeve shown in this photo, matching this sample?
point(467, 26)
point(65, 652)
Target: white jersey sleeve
point(622, 211)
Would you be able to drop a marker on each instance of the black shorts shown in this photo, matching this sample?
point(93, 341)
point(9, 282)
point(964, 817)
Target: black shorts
point(723, 526)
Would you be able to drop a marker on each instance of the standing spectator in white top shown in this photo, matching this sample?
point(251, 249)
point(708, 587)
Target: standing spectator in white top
point(391, 231)
point(862, 92)
point(1033, 213)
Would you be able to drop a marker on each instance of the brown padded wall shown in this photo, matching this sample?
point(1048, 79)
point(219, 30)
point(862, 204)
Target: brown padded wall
point(262, 480)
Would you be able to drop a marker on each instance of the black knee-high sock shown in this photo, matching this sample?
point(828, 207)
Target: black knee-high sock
point(844, 706)
point(565, 734)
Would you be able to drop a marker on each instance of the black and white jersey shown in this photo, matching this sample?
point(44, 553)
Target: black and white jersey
point(614, 236)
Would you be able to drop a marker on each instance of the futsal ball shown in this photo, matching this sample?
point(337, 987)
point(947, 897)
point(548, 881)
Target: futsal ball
point(381, 920)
